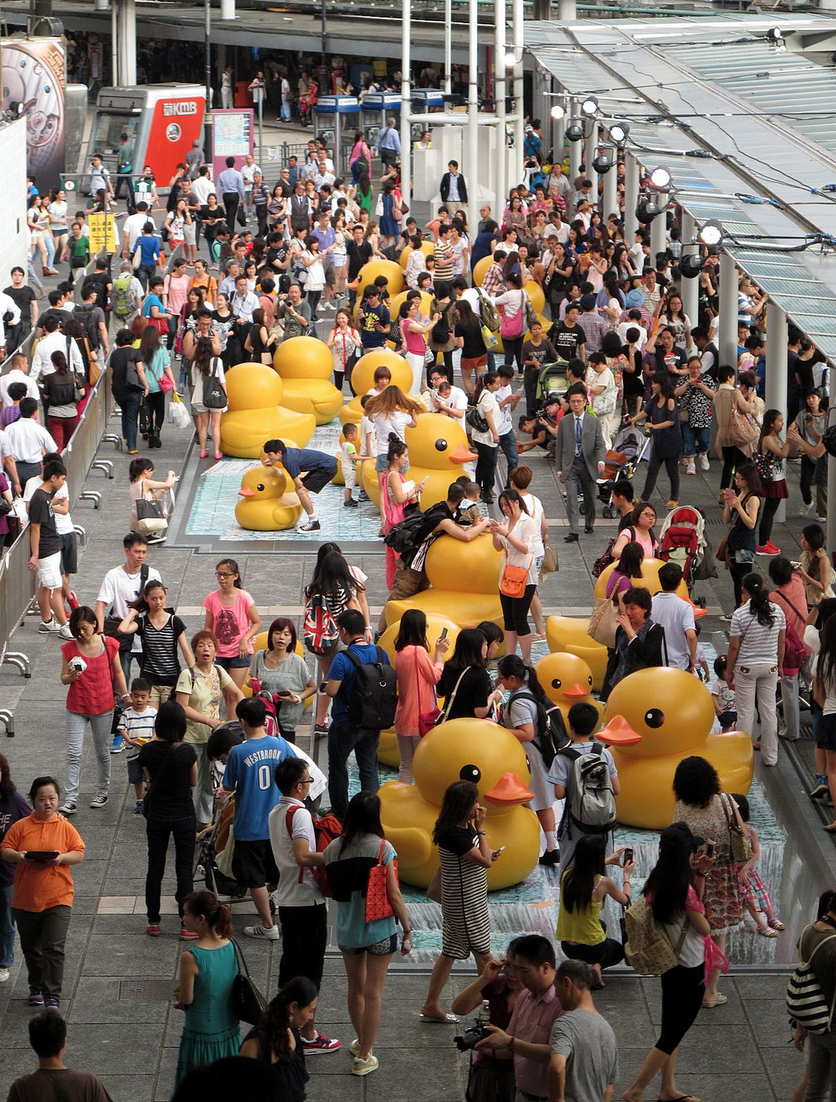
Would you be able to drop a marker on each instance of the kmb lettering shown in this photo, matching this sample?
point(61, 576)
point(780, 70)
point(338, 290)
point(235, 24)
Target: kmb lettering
point(180, 108)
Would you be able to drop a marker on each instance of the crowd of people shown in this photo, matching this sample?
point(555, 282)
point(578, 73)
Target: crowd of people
point(630, 358)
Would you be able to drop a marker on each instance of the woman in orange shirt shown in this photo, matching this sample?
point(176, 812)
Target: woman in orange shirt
point(43, 846)
point(417, 678)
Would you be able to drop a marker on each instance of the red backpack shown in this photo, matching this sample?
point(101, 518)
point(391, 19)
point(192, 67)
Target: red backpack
point(326, 830)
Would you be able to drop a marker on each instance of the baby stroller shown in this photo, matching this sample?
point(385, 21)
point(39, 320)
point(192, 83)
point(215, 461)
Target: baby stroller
point(552, 377)
point(213, 855)
point(621, 461)
point(682, 540)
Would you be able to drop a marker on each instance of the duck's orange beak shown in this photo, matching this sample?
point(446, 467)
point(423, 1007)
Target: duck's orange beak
point(699, 612)
point(462, 454)
point(575, 692)
point(508, 790)
point(245, 491)
point(618, 732)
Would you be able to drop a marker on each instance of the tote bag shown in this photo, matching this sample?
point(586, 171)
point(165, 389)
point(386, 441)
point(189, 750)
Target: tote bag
point(378, 903)
point(512, 327)
point(603, 622)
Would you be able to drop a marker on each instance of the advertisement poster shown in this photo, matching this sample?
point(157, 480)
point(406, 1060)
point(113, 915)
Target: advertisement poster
point(232, 136)
point(33, 86)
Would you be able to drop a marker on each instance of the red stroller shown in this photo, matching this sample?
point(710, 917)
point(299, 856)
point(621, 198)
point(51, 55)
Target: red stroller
point(682, 540)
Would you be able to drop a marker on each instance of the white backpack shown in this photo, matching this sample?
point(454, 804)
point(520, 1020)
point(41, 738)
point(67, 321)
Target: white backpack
point(590, 800)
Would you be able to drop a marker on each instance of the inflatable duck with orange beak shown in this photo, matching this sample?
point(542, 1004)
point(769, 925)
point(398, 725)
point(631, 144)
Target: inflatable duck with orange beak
point(473, 750)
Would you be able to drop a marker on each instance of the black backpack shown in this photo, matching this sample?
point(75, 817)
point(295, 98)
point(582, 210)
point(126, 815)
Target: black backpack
point(61, 389)
point(374, 695)
point(551, 734)
point(403, 536)
point(440, 332)
point(86, 318)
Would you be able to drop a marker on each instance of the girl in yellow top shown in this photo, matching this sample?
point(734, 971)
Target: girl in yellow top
point(42, 897)
point(583, 889)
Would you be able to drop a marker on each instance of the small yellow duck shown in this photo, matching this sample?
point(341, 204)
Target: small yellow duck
point(255, 413)
point(362, 379)
point(464, 749)
point(654, 719)
point(266, 505)
point(566, 680)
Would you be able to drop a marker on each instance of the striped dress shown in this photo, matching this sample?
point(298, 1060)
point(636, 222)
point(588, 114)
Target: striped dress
point(466, 926)
point(160, 658)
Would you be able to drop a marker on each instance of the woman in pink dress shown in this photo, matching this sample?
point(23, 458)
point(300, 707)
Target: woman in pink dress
point(233, 619)
point(418, 675)
point(395, 494)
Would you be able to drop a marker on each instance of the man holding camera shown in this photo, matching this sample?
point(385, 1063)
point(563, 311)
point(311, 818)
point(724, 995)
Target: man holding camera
point(534, 1014)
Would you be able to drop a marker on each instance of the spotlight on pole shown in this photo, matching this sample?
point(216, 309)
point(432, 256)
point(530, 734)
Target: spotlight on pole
point(660, 178)
point(691, 265)
point(589, 106)
point(602, 163)
point(557, 112)
point(646, 210)
point(510, 59)
point(775, 36)
point(575, 131)
point(618, 132)
point(711, 233)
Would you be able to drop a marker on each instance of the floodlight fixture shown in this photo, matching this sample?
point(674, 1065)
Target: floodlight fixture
point(557, 112)
point(602, 163)
point(711, 233)
point(660, 178)
point(618, 132)
point(575, 131)
point(589, 106)
point(511, 59)
point(691, 265)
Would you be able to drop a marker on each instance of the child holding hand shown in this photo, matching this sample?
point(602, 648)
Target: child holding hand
point(755, 896)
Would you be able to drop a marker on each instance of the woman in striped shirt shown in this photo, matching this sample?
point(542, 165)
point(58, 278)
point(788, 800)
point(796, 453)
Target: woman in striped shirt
point(162, 632)
point(756, 655)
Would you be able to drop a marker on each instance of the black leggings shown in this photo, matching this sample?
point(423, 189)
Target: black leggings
point(733, 458)
point(682, 994)
point(312, 298)
point(739, 570)
point(808, 468)
point(513, 351)
point(486, 465)
point(515, 611)
point(156, 412)
point(769, 507)
point(671, 466)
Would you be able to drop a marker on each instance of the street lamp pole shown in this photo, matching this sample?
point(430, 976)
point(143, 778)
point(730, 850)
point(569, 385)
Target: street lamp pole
point(207, 76)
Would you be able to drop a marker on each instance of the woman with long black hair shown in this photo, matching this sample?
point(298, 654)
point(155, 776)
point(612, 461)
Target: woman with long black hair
point(741, 506)
point(772, 452)
point(662, 419)
point(465, 858)
point(276, 1038)
point(418, 674)
point(674, 893)
point(516, 537)
point(465, 683)
point(757, 639)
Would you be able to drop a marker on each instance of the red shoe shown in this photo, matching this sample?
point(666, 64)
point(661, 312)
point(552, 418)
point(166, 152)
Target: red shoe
point(320, 1043)
point(72, 601)
point(767, 548)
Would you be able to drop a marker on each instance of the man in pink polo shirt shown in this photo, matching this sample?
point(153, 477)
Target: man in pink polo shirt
point(537, 1008)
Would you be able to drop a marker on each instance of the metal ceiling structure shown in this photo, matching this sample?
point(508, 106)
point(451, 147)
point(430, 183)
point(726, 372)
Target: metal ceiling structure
point(756, 116)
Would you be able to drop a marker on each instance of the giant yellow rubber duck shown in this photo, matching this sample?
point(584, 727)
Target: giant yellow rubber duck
point(566, 680)
point(568, 633)
point(387, 747)
point(305, 364)
point(362, 379)
point(427, 248)
point(465, 583)
point(654, 719)
point(266, 506)
point(255, 413)
point(473, 750)
point(438, 449)
point(379, 267)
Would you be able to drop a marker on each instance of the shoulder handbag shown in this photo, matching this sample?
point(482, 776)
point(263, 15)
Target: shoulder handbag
point(448, 703)
point(248, 1004)
point(514, 579)
point(512, 326)
point(530, 313)
point(378, 903)
point(149, 510)
point(739, 844)
point(742, 430)
point(603, 622)
point(153, 784)
point(426, 720)
point(475, 419)
point(214, 395)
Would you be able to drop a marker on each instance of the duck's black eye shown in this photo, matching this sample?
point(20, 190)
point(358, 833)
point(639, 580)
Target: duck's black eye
point(654, 718)
point(260, 486)
point(556, 683)
point(441, 445)
point(589, 681)
point(470, 773)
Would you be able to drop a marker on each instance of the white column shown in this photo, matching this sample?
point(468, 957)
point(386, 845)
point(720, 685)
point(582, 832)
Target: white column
point(590, 147)
point(689, 288)
point(500, 158)
point(727, 343)
point(471, 171)
point(659, 231)
point(609, 203)
point(406, 106)
point(124, 28)
point(448, 48)
point(519, 107)
point(776, 366)
point(566, 9)
point(227, 9)
point(631, 197)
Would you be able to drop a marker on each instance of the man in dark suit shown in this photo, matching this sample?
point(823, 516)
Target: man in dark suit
point(453, 189)
point(579, 458)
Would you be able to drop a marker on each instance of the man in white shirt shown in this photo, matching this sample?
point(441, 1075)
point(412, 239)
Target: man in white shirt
point(445, 398)
point(202, 186)
point(248, 171)
point(677, 618)
point(323, 175)
point(556, 227)
point(8, 461)
point(54, 341)
point(300, 902)
point(28, 441)
point(133, 227)
point(243, 302)
point(227, 285)
point(121, 585)
point(18, 373)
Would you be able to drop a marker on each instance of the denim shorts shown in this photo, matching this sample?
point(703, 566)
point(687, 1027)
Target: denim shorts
point(382, 948)
point(236, 663)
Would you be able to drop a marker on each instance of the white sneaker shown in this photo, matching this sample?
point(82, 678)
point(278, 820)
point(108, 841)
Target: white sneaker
point(805, 510)
point(64, 632)
point(689, 467)
point(47, 627)
point(262, 933)
point(702, 459)
point(4, 975)
point(363, 1067)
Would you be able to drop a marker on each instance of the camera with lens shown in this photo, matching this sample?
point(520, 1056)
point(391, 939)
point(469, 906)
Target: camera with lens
point(470, 1037)
point(8, 317)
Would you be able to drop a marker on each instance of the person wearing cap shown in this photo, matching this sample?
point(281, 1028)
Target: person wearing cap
point(592, 324)
point(674, 892)
point(634, 300)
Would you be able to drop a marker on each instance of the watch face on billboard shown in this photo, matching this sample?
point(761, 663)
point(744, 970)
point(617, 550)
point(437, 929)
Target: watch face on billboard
point(173, 132)
point(33, 87)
